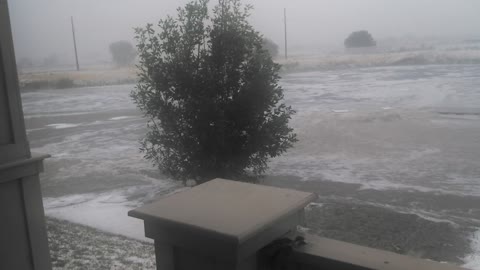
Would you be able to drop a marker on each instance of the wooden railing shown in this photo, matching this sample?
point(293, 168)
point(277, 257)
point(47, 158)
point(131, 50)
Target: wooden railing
point(228, 225)
point(321, 253)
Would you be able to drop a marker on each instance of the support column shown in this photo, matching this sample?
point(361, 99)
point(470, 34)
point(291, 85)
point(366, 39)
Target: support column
point(23, 238)
point(221, 224)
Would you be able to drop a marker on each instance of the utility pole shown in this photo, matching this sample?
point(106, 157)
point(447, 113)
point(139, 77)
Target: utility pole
point(285, 21)
point(75, 44)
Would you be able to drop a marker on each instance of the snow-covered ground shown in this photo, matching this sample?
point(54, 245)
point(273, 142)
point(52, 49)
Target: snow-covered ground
point(389, 127)
point(74, 246)
point(404, 129)
point(473, 260)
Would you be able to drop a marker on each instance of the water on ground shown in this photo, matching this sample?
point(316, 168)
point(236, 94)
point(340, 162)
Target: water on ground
point(393, 153)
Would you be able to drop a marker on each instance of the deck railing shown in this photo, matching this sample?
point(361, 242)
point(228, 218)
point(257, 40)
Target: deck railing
point(227, 225)
point(322, 253)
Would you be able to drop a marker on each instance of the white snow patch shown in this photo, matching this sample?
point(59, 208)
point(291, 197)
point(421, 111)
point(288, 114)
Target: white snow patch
point(314, 205)
point(66, 201)
point(107, 212)
point(340, 111)
point(86, 100)
point(39, 115)
point(121, 118)
point(63, 125)
point(472, 261)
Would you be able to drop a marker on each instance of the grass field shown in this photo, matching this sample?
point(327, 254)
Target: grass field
point(82, 78)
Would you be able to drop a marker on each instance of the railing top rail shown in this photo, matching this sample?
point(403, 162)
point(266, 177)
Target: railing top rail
point(331, 254)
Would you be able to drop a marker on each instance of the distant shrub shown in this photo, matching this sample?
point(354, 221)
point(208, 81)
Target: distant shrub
point(360, 39)
point(123, 53)
point(271, 47)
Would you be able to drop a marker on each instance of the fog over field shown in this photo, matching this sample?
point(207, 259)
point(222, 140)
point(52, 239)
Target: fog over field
point(42, 28)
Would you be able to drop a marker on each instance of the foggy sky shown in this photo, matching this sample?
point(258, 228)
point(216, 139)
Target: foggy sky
point(42, 27)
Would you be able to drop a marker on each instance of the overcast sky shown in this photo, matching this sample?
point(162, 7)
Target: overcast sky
point(42, 27)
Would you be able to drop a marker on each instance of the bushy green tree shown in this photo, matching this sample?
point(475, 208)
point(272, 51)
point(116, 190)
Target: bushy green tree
point(211, 94)
point(123, 53)
point(271, 47)
point(360, 39)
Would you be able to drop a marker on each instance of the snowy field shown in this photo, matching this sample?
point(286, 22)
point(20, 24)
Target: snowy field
point(411, 131)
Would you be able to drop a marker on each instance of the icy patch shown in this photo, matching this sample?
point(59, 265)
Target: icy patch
point(472, 261)
point(68, 200)
point(381, 185)
point(312, 205)
point(427, 215)
point(107, 212)
point(340, 111)
point(110, 153)
point(77, 247)
point(395, 171)
point(84, 100)
point(470, 183)
point(38, 115)
point(121, 118)
point(63, 126)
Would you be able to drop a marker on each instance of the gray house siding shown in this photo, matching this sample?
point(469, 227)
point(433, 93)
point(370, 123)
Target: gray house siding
point(23, 238)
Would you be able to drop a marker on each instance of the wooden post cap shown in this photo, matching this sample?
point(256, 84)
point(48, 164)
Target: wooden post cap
point(224, 217)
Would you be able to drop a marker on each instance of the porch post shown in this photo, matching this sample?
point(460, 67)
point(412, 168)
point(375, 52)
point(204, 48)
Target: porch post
point(221, 224)
point(23, 243)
